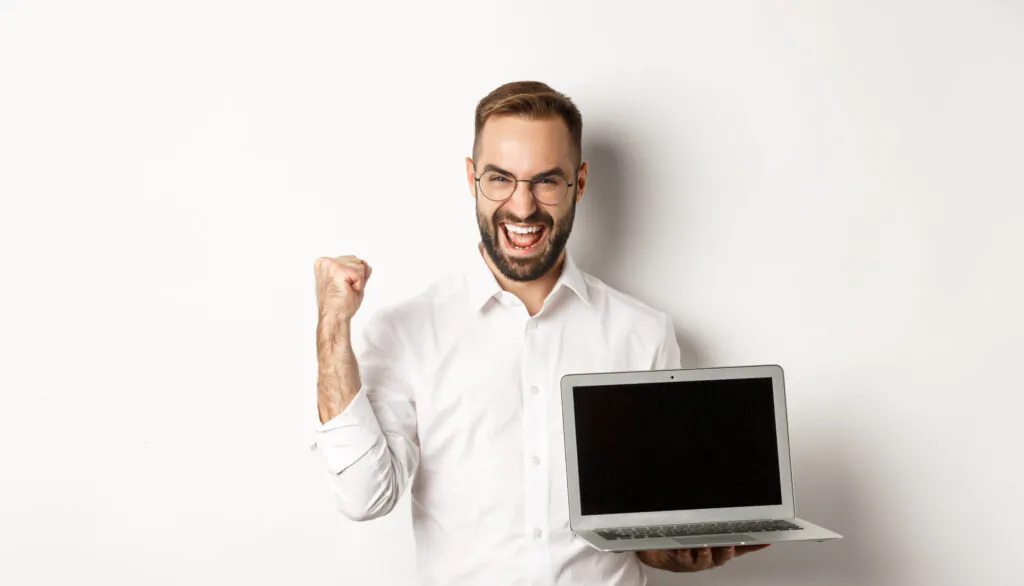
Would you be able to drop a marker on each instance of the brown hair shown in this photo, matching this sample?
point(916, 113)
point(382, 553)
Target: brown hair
point(531, 99)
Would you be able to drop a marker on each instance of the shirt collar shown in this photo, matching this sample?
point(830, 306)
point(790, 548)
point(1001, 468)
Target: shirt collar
point(482, 285)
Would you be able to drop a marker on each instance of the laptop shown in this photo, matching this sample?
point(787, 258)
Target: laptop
point(677, 459)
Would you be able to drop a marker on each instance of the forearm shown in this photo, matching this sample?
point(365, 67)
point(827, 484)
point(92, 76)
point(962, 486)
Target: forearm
point(367, 437)
point(338, 371)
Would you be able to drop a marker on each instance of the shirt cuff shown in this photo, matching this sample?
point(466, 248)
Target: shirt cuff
point(345, 438)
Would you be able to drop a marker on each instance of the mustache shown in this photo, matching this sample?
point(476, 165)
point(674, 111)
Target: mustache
point(537, 217)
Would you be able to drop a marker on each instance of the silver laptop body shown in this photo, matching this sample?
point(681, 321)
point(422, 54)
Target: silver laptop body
point(668, 459)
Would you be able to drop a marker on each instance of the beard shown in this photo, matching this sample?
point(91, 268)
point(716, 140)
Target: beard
point(538, 265)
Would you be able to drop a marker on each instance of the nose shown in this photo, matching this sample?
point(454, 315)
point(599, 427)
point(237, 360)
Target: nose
point(522, 203)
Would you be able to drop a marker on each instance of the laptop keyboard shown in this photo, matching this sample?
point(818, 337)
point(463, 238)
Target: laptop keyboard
point(689, 530)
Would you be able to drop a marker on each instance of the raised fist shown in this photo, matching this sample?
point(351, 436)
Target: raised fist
point(340, 284)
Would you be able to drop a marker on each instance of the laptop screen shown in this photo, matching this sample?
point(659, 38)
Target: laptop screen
point(672, 446)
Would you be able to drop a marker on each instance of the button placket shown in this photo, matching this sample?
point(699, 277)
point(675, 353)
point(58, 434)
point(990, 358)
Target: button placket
point(534, 433)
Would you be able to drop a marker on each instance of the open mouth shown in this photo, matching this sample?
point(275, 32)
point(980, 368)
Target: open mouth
point(523, 238)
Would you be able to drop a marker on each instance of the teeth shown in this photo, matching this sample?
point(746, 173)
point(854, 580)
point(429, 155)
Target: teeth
point(522, 229)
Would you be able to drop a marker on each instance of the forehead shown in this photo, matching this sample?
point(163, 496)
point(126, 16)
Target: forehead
point(524, 145)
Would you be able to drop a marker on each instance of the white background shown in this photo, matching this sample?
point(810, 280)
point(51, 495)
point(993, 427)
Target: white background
point(832, 186)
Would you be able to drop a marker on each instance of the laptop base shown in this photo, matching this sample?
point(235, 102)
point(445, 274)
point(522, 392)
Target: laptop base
point(810, 532)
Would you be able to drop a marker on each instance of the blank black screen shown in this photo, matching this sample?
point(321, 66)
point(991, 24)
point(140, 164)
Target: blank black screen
point(676, 445)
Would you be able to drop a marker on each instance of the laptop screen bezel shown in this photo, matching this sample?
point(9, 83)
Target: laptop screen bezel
point(580, 522)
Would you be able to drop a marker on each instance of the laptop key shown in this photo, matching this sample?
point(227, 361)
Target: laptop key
point(697, 529)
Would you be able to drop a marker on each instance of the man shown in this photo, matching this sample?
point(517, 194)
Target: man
point(457, 388)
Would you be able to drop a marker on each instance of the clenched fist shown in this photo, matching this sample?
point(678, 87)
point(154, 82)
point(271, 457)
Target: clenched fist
point(340, 285)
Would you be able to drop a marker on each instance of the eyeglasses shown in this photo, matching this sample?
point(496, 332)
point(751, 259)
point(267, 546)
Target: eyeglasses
point(499, 186)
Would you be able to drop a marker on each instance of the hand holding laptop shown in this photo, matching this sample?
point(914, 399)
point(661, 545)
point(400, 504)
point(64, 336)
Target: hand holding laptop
point(695, 559)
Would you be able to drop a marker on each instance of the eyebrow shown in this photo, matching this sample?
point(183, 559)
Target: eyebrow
point(552, 171)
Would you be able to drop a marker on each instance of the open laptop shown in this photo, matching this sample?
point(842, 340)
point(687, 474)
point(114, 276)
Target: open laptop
point(675, 459)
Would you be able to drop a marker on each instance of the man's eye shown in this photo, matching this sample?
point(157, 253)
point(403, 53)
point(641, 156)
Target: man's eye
point(548, 181)
point(498, 179)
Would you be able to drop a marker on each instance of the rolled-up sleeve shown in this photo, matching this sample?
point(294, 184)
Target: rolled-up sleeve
point(370, 450)
point(349, 436)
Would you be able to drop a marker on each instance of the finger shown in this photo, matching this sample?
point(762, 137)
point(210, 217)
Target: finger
point(322, 270)
point(360, 271)
point(687, 558)
point(349, 259)
point(354, 275)
point(346, 261)
point(745, 549)
point(704, 559)
point(679, 559)
point(320, 265)
point(723, 554)
point(350, 269)
point(326, 264)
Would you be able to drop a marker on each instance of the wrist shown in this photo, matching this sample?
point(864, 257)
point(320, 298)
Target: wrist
point(333, 325)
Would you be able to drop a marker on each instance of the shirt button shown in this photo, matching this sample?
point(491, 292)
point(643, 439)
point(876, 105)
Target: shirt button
point(531, 325)
point(537, 533)
point(534, 390)
point(536, 461)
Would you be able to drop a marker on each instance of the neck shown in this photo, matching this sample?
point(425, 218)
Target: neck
point(531, 293)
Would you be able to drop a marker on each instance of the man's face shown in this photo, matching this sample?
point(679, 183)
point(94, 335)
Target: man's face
point(524, 237)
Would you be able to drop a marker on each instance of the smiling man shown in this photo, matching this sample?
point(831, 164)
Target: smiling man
point(455, 391)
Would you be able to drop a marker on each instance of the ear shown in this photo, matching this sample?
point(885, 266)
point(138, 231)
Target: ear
point(581, 180)
point(470, 178)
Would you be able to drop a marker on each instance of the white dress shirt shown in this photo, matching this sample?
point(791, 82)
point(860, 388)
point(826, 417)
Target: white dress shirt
point(460, 396)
